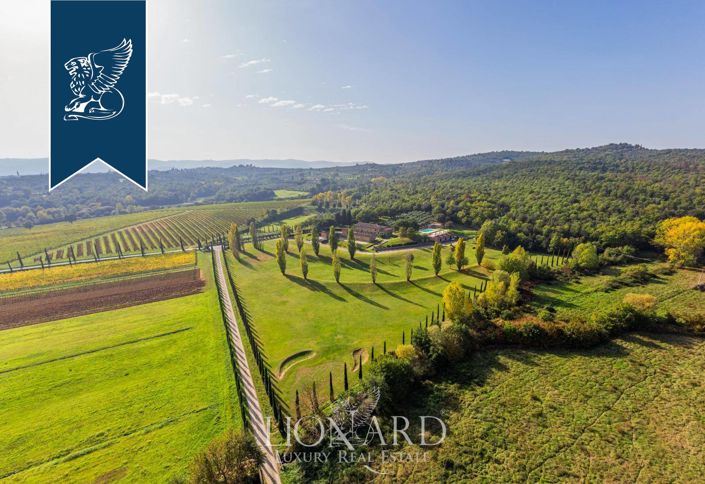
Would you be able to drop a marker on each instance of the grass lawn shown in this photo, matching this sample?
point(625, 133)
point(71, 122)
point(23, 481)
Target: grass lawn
point(582, 297)
point(626, 411)
point(280, 194)
point(129, 395)
point(330, 320)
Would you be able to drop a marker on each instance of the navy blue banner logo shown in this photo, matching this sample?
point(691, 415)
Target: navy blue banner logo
point(98, 88)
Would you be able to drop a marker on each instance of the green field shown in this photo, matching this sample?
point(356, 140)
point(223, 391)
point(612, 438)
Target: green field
point(330, 320)
point(581, 297)
point(626, 411)
point(129, 395)
point(289, 194)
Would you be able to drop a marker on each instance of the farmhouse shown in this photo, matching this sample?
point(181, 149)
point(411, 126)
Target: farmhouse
point(368, 232)
point(441, 236)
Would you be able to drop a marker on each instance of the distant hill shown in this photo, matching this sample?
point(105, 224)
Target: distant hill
point(40, 166)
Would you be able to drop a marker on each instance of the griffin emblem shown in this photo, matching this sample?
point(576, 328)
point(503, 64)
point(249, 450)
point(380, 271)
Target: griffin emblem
point(93, 81)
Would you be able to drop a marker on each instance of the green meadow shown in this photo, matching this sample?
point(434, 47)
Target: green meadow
point(627, 411)
point(587, 294)
point(131, 395)
point(325, 322)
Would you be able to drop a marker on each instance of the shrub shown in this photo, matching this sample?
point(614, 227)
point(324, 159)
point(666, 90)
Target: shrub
point(546, 315)
point(584, 333)
point(233, 459)
point(585, 258)
point(617, 255)
point(407, 352)
point(393, 376)
point(640, 302)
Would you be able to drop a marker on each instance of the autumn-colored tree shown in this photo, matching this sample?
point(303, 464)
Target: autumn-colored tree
point(480, 248)
point(683, 238)
point(299, 237)
point(352, 247)
point(459, 255)
point(454, 301)
point(436, 257)
point(517, 261)
point(281, 255)
point(373, 268)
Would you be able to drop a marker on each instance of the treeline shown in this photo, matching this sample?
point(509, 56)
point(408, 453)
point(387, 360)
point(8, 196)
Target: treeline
point(613, 195)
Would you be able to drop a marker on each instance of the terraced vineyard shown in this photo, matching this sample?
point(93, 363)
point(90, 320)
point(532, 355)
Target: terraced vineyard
point(187, 228)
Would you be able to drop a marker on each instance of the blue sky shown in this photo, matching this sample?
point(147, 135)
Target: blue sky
point(392, 81)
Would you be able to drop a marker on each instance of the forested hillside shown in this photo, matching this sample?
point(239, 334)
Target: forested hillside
point(613, 194)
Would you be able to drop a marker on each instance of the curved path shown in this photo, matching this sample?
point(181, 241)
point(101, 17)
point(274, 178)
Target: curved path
point(270, 467)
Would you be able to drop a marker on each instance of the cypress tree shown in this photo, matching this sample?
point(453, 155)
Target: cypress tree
point(253, 235)
point(403, 337)
point(351, 243)
point(233, 241)
point(359, 368)
point(335, 262)
point(330, 386)
point(460, 259)
point(285, 237)
point(304, 263)
point(409, 266)
point(436, 257)
point(345, 376)
point(372, 355)
point(315, 243)
point(281, 256)
point(480, 250)
point(299, 237)
point(384, 347)
point(298, 406)
point(332, 240)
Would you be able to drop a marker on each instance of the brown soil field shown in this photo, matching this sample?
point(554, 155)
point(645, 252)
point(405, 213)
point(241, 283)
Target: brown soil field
point(66, 303)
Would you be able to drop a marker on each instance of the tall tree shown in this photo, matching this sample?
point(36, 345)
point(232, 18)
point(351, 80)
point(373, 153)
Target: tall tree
point(409, 265)
point(373, 268)
point(304, 263)
point(683, 238)
point(335, 262)
point(330, 386)
point(454, 301)
point(281, 255)
point(315, 242)
point(351, 243)
point(332, 239)
point(459, 256)
point(436, 257)
point(480, 249)
point(253, 235)
point(285, 237)
point(299, 237)
point(234, 241)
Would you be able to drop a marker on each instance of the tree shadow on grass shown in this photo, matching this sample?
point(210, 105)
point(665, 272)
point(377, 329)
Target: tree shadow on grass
point(397, 296)
point(314, 286)
point(362, 297)
point(425, 289)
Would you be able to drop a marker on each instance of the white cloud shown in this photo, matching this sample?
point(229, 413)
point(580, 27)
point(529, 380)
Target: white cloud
point(268, 100)
point(254, 62)
point(251, 96)
point(284, 103)
point(231, 56)
point(347, 86)
point(186, 41)
point(264, 71)
point(172, 98)
point(298, 106)
point(317, 107)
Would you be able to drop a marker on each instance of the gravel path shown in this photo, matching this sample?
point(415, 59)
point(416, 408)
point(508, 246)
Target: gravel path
point(270, 468)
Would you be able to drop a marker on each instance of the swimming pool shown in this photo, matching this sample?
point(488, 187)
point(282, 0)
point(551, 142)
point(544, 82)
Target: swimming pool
point(427, 231)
